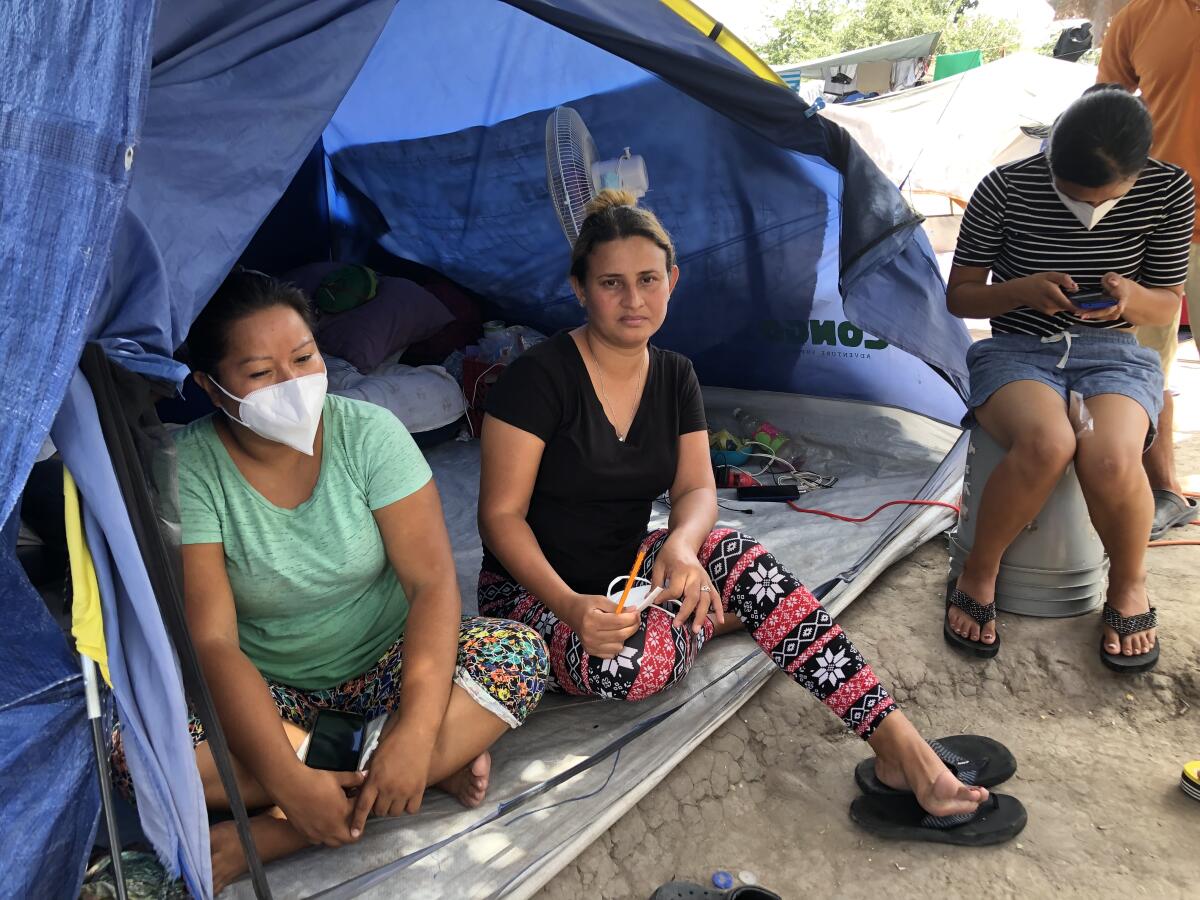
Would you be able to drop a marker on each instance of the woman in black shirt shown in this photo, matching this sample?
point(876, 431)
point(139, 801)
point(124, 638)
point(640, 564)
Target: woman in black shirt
point(583, 432)
point(1081, 245)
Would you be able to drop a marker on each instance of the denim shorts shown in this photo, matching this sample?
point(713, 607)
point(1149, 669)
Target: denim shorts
point(1088, 361)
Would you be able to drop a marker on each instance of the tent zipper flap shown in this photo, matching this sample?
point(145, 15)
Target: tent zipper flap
point(111, 398)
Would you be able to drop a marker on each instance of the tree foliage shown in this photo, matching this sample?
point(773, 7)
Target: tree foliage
point(814, 28)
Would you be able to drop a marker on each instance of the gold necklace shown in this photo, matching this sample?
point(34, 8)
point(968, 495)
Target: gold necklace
point(608, 404)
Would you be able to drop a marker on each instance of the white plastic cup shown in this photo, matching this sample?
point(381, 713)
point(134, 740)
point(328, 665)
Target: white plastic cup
point(641, 595)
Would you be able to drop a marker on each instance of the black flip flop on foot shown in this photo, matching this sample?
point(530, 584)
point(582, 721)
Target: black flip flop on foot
point(999, 818)
point(977, 611)
point(974, 759)
point(1124, 626)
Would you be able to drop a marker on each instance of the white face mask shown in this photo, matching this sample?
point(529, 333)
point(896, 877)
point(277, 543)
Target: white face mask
point(1089, 216)
point(287, 413)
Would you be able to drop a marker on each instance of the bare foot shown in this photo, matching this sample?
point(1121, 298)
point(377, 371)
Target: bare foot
point(1129, 601)
point(228, 860)
point(273, 837)
point(905, 762)
point(470, 783)
point(983, 592)
point(948, 796)
point(945, 795)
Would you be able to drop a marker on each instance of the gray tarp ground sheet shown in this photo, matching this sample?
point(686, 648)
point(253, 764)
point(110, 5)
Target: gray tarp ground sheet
point(578, 765)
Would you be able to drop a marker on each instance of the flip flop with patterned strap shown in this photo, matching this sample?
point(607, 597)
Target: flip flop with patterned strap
point(977, 611)
point(1125, 626)
point(974, 759)
point(999, 818)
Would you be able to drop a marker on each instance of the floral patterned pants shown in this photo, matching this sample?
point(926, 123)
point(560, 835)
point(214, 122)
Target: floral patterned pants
point(501, 664)
point(785, 619)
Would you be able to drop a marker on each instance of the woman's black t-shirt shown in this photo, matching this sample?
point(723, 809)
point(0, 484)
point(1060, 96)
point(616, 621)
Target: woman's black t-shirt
point(592, 496)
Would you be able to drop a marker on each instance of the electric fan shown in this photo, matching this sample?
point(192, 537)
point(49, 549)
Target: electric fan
point(575, 175)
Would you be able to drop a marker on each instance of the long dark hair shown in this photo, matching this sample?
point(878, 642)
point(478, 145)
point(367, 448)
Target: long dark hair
point(1102, 137)
point(243, 293)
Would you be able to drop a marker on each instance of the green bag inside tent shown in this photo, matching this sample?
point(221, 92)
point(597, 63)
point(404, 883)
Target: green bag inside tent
point(346, 288)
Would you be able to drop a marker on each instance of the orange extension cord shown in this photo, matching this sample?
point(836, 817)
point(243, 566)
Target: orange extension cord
point(829, 515)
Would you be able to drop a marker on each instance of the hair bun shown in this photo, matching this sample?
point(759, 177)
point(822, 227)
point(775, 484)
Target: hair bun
point(608, 199)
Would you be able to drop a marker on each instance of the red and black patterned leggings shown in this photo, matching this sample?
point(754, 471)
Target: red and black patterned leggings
point(786, 620)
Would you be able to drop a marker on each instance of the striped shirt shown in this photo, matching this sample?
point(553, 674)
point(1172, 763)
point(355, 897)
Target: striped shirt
point(1016, 226)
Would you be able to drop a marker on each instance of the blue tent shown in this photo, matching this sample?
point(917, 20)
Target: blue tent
point(144, 148)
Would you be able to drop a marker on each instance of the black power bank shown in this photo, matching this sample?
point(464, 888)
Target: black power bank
point(778, 493)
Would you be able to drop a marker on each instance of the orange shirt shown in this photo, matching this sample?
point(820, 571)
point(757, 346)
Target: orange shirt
point(1155, 45)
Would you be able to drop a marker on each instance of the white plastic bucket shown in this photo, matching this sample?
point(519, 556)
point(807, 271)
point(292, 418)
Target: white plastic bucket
point(1056, 566)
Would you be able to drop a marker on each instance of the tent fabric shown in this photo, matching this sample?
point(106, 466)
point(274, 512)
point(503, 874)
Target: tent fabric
point(145, 674)
point(72, 94)
point(67, 138)
point(461, 203)
point(239, 93)
point(45, 745)
point(234, 94)
point(464, 83)
point(896, 263)
point(871, 210)
point(457, 183)
point(716, 32)
point(143, 457)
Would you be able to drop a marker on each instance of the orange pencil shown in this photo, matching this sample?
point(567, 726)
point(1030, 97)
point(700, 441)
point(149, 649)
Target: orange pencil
point(629, 581)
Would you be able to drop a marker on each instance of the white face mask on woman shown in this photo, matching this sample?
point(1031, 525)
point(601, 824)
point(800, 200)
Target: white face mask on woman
point(287, 413)
point(1089, 216)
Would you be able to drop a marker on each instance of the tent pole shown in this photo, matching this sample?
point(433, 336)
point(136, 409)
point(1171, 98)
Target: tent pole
point(91, 686)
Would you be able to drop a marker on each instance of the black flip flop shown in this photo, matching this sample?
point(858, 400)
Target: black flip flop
point(687, 890)
point(1126, 625)
point(974, 759)
point(999, 818)
point(977, 611)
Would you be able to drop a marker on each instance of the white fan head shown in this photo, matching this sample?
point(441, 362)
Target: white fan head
point(575, 175)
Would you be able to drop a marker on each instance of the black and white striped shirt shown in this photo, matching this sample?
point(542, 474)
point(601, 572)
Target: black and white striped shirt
point(1016, 226)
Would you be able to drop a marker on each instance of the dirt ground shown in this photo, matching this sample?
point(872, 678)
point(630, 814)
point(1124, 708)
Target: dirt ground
point(1099, 756)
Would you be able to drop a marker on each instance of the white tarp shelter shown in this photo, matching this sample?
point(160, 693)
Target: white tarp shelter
point(937, 141)
point(883, 67)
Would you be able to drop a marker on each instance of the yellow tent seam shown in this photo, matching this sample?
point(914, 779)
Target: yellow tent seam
point(726, 40)
point(87, 623)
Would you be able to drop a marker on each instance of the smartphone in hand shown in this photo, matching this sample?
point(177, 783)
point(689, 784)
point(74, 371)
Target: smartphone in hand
point(1090, 301)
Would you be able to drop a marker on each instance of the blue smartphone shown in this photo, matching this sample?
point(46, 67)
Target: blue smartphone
point(1093, 301)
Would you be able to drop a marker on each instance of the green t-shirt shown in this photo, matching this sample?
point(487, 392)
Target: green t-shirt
point(317, 600)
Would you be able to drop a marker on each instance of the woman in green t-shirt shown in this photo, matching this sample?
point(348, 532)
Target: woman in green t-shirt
point(316, 561)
